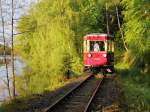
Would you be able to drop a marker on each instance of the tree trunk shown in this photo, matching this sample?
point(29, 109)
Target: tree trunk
point(12, 52)
point(108, 32)
point(5, 60)
point(122, 36)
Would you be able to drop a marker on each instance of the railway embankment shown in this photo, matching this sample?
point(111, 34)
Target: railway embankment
point(107, 98)
point(120, 94)
point(134, 90)
point(38, 102)
point(108, 95)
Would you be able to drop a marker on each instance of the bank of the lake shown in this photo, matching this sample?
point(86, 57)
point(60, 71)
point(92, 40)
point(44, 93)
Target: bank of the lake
point(19, 65)
point(2, 61)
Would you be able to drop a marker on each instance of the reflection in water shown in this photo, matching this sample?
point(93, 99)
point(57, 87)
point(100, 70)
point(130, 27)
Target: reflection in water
point(19, 65)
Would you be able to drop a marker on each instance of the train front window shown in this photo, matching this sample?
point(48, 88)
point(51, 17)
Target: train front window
point(97, 46)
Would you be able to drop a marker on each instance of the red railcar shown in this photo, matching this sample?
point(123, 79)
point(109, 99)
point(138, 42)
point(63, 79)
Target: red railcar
point(99, 52)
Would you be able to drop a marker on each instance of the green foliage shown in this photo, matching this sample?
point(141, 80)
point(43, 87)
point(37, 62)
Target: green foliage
point(25, 103)
point(137, 30)
point(46, 44)
point(90, 19)
point(136, 94)
point(52, 38)
point(52, 41)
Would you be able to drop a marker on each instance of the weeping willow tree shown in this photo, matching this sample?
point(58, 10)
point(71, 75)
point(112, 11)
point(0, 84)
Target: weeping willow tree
point(137, 32)
point(50, 41)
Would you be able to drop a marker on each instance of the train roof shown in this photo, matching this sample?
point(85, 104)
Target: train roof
point(100, 34)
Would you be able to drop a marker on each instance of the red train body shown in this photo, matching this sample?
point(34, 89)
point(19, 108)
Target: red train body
point(99, 52)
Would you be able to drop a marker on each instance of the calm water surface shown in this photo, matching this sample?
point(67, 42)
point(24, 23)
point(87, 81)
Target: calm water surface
point(19, 65)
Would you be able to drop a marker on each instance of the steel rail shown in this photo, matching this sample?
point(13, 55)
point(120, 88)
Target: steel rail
point(93, 95)
point(69, 92)
point(78, 87)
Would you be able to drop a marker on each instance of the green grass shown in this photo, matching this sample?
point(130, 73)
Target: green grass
point(136, 93)
point(19, 104)
point(26, 99)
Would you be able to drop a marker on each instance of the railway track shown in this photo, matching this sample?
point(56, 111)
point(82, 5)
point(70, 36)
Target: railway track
point(79, 98)
point(106, 98)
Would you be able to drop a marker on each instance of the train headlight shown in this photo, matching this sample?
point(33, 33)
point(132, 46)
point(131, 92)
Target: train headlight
point(89, 55)
point(105, 55)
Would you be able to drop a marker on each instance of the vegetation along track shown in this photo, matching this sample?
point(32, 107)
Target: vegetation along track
point(79, 98)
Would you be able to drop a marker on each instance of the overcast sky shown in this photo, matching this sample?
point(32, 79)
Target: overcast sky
point(21, 8)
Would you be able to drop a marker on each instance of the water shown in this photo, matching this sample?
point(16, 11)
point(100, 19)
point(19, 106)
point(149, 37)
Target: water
point(19, 65)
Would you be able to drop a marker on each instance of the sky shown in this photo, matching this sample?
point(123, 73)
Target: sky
point(21, 8)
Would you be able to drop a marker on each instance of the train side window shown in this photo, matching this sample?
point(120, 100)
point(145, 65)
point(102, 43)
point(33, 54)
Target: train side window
point(85, 46)
point(113, 46)
point(109, 45)
point(106, 45)
point(88, 45)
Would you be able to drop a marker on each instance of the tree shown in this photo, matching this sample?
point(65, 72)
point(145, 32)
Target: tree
point(4, 50)
point(9, 20)
point(53, 41)
point(12, 52)
point(137, 30)
point(46, 44)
